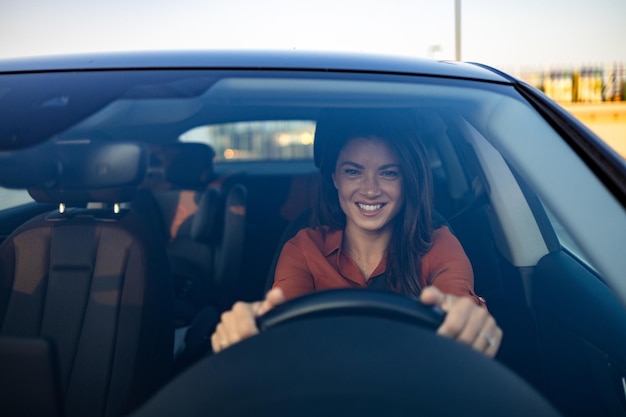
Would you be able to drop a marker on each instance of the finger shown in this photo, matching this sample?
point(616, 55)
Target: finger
point(432, 296)
point(273, 298)
point(465, 321)
point(239, 322)
point(458, 312)
point(493, 341)
point(456, 308)
point(481, 331)
point(477, 320)
point(218, 339)
point(485, 338)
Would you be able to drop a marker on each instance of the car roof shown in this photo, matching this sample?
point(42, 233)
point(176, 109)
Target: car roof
point(254, 59)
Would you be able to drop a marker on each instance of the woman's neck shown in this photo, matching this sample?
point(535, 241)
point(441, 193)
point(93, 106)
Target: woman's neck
point(366, 249)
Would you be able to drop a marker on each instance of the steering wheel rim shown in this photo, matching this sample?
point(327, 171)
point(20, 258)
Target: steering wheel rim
point(348, 352)
point(350, 302)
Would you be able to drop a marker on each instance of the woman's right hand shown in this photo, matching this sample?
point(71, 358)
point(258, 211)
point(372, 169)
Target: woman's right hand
point(239, 322)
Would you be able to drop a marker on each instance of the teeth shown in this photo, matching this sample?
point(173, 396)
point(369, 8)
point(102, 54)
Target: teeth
point(370, 207)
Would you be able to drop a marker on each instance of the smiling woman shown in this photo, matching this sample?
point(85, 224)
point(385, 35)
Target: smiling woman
point(374, 230)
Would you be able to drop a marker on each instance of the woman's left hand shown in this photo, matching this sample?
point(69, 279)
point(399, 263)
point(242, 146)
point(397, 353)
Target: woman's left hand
point(465, 321)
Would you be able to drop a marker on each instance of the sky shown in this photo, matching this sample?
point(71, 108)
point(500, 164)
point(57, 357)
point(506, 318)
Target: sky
point(507, 34)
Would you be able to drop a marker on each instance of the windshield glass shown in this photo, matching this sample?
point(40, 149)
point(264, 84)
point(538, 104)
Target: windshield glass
point(475, 132)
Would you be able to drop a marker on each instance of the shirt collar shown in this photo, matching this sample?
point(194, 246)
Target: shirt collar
point(332, 245)
point(333, 240)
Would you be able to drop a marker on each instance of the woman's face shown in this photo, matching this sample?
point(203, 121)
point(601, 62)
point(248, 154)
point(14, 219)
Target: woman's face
point(368, 179)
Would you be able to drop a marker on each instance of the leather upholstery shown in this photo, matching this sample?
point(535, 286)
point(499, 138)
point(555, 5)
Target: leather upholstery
point(97, 284)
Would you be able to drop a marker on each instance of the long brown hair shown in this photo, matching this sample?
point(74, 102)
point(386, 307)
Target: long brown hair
point(412, 231)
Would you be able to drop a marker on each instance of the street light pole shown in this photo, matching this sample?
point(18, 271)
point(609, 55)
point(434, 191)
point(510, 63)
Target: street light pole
point(457, 30)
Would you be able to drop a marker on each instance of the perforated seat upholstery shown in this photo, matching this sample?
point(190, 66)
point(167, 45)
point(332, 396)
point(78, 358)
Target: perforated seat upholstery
point(94, 281)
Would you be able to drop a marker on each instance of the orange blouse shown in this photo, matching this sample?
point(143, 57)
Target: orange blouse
point(313, 261)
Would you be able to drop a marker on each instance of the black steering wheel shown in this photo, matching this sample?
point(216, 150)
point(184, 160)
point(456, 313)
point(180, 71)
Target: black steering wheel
point(353, 302)
point(348, 352)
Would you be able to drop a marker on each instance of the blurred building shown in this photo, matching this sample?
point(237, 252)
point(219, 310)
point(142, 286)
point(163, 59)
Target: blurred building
point(585, 84)
point(594, 94)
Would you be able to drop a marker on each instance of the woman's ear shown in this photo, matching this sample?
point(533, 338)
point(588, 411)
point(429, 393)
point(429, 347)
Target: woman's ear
point(334, 182)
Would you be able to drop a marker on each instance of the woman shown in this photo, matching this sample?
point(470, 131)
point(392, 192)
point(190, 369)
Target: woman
point(374, 230)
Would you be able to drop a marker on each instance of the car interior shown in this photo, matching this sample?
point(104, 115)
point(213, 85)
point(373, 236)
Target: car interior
point(165, 234)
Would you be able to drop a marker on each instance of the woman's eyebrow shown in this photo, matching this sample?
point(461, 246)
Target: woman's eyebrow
point(350, 163)
point(359, 166)
point(397, 166)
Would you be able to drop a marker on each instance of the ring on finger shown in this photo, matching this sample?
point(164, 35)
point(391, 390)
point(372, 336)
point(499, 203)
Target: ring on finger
point(491, 340)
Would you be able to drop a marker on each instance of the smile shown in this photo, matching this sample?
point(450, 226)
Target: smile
point(369, 207)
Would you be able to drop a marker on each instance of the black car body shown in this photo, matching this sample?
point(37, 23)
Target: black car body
point(535, 198)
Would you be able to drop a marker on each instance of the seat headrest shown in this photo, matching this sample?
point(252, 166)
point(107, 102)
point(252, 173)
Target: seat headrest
point(77, 172)
point(190, 166)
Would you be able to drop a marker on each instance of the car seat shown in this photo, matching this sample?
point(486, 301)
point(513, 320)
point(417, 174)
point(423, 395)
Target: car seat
point(204, 220)
point(92, 277)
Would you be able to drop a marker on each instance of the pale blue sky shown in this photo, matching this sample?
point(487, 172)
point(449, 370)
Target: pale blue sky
point(509, 34)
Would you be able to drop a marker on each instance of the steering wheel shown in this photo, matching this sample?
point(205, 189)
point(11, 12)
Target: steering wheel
point(353, 302)
point(348, 352)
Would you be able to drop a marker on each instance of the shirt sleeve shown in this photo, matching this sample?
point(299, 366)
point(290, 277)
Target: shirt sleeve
point(293, 274)
point(449, 268)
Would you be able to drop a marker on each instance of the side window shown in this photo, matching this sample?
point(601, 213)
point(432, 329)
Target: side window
point(12, 198)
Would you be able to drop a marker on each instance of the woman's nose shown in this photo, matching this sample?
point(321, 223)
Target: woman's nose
point(370, 187)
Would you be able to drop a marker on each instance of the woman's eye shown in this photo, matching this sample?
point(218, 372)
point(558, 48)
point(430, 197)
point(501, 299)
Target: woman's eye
point(351, 171)
point(389, 174)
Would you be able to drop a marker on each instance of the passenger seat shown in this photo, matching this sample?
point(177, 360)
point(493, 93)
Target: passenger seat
point(91, 277)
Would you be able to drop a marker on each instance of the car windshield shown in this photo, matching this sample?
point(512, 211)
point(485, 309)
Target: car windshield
point(251, 116)
point(222, 166)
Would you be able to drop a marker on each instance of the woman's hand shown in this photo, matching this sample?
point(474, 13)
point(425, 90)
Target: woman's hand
point(465, 321)
point(240, 322)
